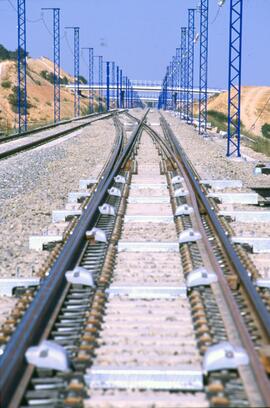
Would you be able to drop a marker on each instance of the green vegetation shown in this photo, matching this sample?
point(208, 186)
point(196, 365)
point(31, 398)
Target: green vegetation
point(266, 130)
point(13, 99)
point(8, 55)
point(82, 80)
point(6, 84)
point(49, 76)
point(48, 103)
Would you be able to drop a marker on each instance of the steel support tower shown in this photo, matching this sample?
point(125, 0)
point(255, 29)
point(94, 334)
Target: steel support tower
point(204, 19)
point(117, 87)
point(76, 70)
point(121, 89)
point(22, 55)
point(183, 75)
point(108, 86)
point(190, 86)
point(100, 80)
point(90, 77)
point(113, 83)
point(178, 64)
point(56, 60)
point(234, 85)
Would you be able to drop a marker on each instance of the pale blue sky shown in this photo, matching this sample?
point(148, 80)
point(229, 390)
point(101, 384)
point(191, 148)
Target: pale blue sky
point(141, 35)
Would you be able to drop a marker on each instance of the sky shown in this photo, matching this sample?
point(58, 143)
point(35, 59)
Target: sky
point(141, 35)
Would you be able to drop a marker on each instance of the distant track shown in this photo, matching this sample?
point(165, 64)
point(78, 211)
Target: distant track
point(35, 143)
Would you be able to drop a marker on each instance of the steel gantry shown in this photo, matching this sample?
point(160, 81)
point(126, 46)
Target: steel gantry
point(117, 87)
point(191, 37)
point(183, 75)
point(90, 77)
point(56, 60)
point(100, 81)
point(113, 82)
point(76, 70)
point(204, 17)
point(178, 64)
point(234, 85)
point(108, 85)
point(22, 55)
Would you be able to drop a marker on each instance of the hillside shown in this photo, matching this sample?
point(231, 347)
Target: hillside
point(40, 93)
point(255, 107)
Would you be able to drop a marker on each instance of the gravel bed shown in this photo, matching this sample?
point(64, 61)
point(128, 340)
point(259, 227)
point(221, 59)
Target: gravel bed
point(208, 155)
point(34, 183)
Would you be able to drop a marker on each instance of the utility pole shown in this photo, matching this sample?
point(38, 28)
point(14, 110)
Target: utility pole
point(122, 93)
point(108, 86)
point(100, 80)
point(234, 85)
point(22, 55)
point(113, 82)
point(117, 87)
point(90, 77)
point(183, 77)
point(178, 62)
point(191, 36)
point(56, 59)
point(203, 66)
point(76, 70)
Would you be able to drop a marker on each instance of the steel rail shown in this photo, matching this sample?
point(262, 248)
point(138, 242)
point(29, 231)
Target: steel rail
point(36, 143)
point(33, 323)
point(257, 304)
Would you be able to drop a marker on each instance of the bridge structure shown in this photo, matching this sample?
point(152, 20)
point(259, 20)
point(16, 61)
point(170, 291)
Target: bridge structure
point(148, 91)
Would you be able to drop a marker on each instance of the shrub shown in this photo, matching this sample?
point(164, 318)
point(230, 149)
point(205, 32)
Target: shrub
point(6, 84)
point(266, 130)
point(13, 99)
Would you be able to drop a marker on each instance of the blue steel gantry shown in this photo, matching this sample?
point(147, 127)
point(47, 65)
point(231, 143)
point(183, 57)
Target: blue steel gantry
point(204, 22)
point(183, 74)
point(76, 70)
point(100, 81)
point(22, 55)
point(56, 59)
point(90, 77)
point(108, 85)
point(234, 86)
point(191, 36)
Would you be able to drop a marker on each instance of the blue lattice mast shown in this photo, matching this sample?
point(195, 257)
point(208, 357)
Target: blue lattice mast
point(190, 86)
point(204, 8)
point(76, 70)
point(100, 76)
point(22, 55)
point(108, 86)
point(183, 75)
point(90, 77)
point(234, 86)
point(121, 89)
point(178, 64)
point(56, 60)
point(113, 83)
point(117, 86)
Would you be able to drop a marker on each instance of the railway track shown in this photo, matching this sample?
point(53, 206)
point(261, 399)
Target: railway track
point(22, 142)
point(163, 313)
